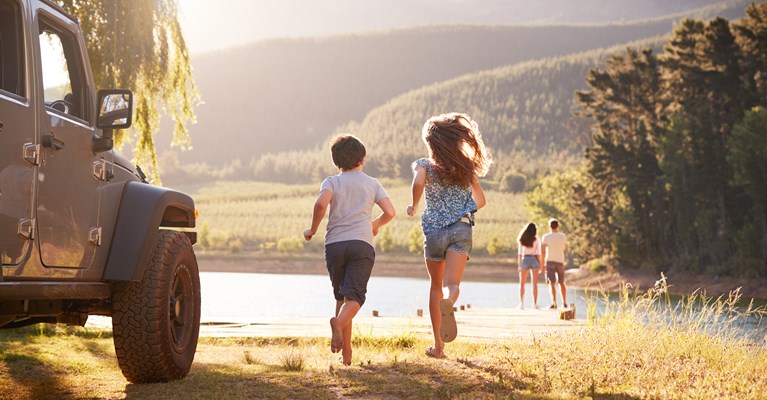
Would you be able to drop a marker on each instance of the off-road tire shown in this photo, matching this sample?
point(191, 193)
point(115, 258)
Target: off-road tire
point(156, 321)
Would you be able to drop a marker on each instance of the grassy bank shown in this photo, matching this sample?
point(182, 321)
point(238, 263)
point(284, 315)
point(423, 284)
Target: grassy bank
point(637, 350)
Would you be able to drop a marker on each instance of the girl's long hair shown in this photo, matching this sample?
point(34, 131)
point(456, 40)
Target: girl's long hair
point(527, 235)
point(455, 144)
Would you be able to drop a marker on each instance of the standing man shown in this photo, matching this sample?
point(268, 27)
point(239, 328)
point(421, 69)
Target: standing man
point(553, 249)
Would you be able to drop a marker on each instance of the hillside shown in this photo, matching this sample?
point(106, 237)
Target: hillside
point(300, 90)
point(524, 112)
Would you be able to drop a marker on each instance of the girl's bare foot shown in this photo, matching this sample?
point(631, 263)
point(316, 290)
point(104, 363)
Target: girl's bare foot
point(432, 351)
point(337, 338)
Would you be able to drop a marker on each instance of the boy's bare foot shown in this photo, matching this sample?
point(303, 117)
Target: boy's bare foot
point(346, 357)
point(337, 338)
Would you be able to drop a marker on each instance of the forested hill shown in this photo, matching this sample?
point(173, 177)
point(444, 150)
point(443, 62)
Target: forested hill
point(292, 93)
point(525, 113)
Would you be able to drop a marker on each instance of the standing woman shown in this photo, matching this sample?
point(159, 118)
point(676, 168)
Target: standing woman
point(530, 259)
point(457, 157)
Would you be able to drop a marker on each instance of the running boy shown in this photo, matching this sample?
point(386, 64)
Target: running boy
point(349, 251)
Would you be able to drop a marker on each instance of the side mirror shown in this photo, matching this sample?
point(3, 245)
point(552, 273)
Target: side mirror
point(115, 109)
point(115, 112)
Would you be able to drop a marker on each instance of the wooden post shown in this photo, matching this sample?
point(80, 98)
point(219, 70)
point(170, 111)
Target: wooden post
point(462, 307)
point(468, 306)
point(419, 312)
point(568, 314)
point(375, 313)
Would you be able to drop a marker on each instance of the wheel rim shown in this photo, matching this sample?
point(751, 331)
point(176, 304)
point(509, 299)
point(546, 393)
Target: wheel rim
point(181, 310)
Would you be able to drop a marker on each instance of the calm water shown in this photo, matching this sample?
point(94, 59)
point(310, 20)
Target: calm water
point(249, 296)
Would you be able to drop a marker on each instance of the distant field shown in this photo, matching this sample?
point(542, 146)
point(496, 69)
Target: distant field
point(247, 214)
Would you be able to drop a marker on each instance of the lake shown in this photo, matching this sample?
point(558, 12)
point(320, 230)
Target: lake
point(248, 296)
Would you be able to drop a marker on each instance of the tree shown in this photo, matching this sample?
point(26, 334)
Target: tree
point(702, 78)
point(625, 101)
point(139, 45)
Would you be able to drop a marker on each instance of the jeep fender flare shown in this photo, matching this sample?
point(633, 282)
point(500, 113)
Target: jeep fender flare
point(143, 210)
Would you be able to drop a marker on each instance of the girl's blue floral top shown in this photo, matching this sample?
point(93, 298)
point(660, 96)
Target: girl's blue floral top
point(445, 204)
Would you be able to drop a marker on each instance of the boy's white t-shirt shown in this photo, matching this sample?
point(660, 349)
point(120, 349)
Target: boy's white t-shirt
point(555, 244)
point(351, 208)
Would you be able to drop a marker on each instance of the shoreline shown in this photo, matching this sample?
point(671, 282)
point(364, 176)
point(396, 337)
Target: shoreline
point(492, 270)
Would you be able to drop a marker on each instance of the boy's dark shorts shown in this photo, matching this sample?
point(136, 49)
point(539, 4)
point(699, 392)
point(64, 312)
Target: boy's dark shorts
point(349, 265)
point(555, 270)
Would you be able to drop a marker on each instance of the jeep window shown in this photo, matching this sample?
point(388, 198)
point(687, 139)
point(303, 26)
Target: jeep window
point(62, 80)
point(11, 49)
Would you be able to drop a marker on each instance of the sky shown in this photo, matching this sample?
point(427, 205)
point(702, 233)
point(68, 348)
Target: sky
point(210, 25)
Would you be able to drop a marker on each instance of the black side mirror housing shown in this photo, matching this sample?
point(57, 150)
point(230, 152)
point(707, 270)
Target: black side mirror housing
point(115, 112)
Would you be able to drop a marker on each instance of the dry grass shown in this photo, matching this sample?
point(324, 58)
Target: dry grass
point(640, 348)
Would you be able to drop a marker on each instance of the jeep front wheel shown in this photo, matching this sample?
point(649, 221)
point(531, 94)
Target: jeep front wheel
point(156, 321)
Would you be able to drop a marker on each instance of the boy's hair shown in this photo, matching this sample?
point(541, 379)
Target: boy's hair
point(348, 152)
point(553, 223)
point(456, 145)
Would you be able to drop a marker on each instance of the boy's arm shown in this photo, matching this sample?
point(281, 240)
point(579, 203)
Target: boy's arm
point(387, 214)
point(419, 181)
point(320, 206)
point(478, 193)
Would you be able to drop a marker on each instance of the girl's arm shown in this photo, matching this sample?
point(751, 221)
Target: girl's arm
point(477, 193)
point(320, 206)
point(387, 214)
point(419, 181)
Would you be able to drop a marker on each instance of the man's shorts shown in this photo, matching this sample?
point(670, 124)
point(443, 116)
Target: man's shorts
point(349, 265)
point(454, 237)
point(555, 270)
point(530, 262)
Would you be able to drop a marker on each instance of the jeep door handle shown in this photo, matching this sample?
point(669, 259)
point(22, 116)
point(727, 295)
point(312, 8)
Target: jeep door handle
point(52, 142)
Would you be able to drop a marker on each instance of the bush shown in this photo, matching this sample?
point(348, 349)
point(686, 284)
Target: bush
point(494, 246)
point(290, 245)
point(235, 245)
point(415, 240)
point(385, 241)
point(513, 182)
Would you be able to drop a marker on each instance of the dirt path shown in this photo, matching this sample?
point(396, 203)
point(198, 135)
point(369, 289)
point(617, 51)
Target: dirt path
point(495, 270)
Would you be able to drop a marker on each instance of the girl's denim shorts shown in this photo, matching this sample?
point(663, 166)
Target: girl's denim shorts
point(530, 262)
point(455, 237)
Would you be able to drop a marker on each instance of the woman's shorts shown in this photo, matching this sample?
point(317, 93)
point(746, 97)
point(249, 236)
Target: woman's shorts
point(454, 237)
point(530, 262)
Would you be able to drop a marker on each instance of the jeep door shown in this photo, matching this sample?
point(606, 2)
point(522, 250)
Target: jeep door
point(17, 138)
point(67, 208)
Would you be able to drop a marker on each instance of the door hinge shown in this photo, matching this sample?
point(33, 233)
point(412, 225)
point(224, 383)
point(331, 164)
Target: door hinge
point(95, 236)
point(32, 153)
point(101, 171)
point(27, 228)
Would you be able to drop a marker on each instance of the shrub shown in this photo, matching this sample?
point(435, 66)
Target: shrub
point(494, 246)
point(415, 240)
point(290, 245)
point(385, 240)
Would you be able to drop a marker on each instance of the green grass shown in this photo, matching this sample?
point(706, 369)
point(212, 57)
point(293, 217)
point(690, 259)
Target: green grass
point(260, 214)
point(644, 346)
